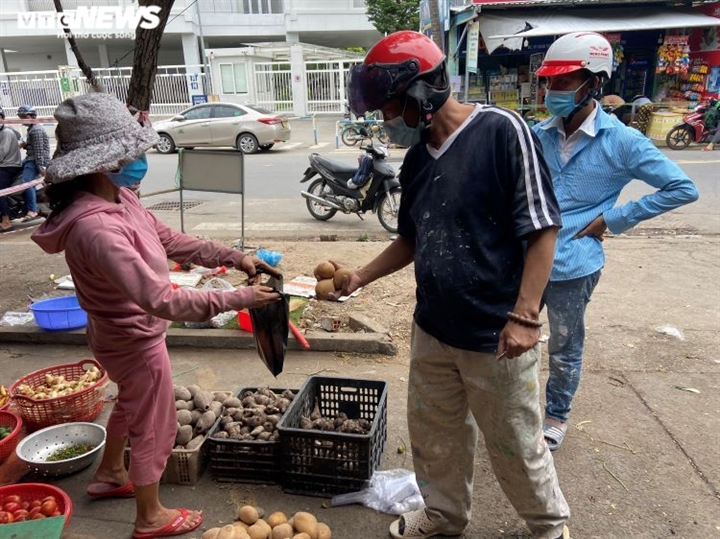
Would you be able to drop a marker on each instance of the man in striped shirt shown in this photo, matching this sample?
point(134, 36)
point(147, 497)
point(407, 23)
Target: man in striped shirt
point(37, 158)
point(591, 156)
point(479, 219)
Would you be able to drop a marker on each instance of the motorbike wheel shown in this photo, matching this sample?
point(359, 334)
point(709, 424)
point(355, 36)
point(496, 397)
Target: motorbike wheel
point(679, 137)
point(350, 137)
point(318, 211)
point(388, 210)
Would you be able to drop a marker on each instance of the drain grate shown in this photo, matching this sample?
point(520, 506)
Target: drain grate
point(174, 206)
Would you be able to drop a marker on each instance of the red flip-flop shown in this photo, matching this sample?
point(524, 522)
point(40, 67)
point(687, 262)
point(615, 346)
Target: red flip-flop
point(173, 528)
point(124, 491)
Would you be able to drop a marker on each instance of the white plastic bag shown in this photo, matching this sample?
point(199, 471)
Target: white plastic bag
point(12, 318)
point(220, 320)
point(392, 491)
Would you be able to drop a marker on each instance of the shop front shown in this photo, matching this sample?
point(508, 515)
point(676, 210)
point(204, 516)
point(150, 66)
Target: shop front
point(667, 54)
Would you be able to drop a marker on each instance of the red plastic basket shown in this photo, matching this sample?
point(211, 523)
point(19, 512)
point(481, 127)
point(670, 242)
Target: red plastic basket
point(38, 491)
point(84, 405)
point(8, 444)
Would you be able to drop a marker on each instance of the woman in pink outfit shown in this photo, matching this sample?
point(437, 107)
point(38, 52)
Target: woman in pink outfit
point(118, 255)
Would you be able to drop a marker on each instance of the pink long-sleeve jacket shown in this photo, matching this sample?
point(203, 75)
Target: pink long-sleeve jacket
point(117, 254)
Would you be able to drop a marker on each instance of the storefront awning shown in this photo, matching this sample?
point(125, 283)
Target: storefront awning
point(510, 29)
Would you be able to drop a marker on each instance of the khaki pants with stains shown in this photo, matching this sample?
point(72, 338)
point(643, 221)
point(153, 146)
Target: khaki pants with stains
point(451, 393)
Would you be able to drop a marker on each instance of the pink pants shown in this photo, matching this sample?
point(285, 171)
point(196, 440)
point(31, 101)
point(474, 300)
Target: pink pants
point(145, 408)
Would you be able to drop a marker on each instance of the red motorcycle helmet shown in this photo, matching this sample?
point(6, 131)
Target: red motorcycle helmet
point(405, 63)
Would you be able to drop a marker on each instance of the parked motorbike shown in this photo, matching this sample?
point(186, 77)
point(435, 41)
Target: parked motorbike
point(329, 192)
point(351, 132)
point(692, 128)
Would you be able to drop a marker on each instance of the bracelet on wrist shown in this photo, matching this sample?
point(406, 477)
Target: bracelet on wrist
point(524, 321)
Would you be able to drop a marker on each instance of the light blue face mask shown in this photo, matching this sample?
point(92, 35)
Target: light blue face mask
point(131, 174)
point(401, 133)
point(562, 103)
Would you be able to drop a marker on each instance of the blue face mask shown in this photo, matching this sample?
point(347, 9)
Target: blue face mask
point(401, 133)
point(562, 103)
point(131, 174)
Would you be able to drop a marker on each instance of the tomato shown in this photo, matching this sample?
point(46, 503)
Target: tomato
point(48, 507)
point(13, 498)
point(57, 513)
point(11, 507)
point(25, 505)
point(35, 503)
point(38, 516)
point(34, 511)
point(49, 499)
point(20, 515)
point(5, 517)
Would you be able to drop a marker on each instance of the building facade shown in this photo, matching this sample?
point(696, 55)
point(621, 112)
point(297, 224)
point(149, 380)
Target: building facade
point(222, 24)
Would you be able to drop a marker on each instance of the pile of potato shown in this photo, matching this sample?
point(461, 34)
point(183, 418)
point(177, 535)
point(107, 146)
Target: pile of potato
point(339, 423)
point(255, 417)
point(251, 525)
point(58, 386)
point(329, 279)
point(197, 411)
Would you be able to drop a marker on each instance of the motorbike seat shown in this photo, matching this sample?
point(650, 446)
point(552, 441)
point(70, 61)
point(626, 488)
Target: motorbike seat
point(339, 170)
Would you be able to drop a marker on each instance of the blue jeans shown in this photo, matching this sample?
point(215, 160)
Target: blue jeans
point(30, 172)
point(566, 303)
point(7, 176)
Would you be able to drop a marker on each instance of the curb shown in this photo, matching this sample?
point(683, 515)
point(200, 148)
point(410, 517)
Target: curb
point(320, 341)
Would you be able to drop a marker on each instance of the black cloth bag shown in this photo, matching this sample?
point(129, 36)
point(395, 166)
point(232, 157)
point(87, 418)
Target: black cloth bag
point(270, 328)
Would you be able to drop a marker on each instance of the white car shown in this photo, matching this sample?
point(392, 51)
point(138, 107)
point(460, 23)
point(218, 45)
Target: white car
point(245, 127)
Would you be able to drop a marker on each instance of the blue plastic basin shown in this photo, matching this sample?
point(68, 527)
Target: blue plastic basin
point(59, 313)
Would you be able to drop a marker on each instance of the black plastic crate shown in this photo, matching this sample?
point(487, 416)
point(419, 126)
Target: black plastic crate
point(325, 463)
point(244, 461)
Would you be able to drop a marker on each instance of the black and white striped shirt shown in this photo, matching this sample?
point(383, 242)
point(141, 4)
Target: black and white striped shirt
point(469, 206)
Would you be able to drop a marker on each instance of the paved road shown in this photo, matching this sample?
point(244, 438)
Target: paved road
point(273, 205)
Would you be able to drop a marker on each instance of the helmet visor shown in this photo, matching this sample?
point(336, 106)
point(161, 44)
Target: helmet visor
point(369, 87)
point(552, 68)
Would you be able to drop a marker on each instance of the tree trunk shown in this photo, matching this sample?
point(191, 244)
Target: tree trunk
point(86, 69)
point(147, 47)
point(438, 33)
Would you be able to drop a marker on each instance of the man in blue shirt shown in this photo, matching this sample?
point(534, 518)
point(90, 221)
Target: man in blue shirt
point(591, 156)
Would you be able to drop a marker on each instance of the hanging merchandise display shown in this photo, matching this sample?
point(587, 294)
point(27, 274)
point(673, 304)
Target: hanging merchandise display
point(694, 83)
point(673, 56)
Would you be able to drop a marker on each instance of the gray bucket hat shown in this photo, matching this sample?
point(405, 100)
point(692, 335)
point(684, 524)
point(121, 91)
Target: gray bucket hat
point(95, 133)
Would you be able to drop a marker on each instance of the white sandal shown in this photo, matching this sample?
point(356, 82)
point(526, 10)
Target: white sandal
point(413, 525)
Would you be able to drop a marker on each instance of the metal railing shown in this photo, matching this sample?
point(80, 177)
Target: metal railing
point(326, 83)
point(273, 86)
point(248, 7)
point(69, 5)
point(44, 89)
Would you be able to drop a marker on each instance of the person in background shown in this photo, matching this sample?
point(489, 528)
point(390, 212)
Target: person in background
point(592, 156)
point(713, 141)
point(10, 167)
point(479, 219)
point(118, 255)
point(37, 146)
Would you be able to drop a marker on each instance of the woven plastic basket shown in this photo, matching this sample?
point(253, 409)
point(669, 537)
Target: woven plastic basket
point(8, 444)
point(82, 406)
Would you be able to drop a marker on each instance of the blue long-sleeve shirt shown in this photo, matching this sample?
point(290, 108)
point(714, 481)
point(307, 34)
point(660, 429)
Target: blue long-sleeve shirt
point(589, 185)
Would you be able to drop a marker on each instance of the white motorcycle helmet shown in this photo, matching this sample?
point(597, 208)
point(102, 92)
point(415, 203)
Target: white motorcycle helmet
point(579, 50)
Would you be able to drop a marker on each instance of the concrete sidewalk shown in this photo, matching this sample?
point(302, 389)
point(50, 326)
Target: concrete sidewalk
point(642, 457)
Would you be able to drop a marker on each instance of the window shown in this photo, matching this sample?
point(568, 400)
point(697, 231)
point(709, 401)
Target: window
point(199, 113)
point(224, 111)
point(233, 78)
